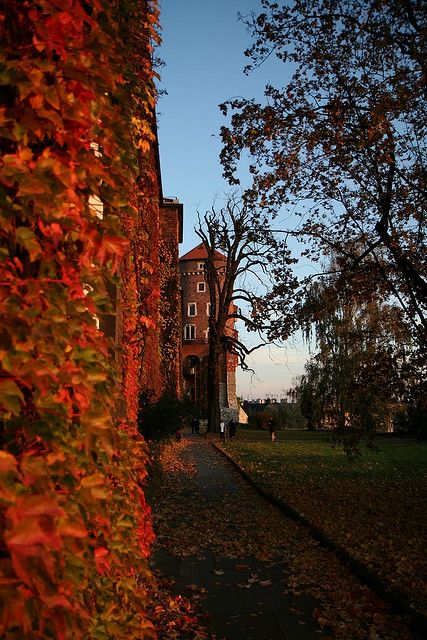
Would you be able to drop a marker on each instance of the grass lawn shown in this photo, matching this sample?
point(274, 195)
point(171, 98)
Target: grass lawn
point(374, 507)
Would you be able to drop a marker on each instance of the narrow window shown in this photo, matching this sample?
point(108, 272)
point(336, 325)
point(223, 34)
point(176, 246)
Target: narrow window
point(201, 287)
point(208, 308)
point(189, 332)
point(201, 266)
point(192, 309)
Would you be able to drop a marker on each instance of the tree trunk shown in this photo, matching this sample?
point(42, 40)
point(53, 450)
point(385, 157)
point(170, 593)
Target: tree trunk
point(214, 414)
point(410, 273)
point(310, 424)
point(341, 415)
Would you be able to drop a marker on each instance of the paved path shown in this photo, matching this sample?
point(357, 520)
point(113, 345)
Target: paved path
point(256, 610)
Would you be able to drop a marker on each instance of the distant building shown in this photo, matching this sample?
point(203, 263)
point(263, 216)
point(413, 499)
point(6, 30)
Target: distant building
point(253, 406)
point(196, 308)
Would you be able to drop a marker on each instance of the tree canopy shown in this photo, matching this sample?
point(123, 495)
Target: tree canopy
point(363, 369)
point(343, 142)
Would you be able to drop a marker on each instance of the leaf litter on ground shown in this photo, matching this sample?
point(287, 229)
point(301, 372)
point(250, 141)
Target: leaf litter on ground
point(233, 521)
point(377, 514)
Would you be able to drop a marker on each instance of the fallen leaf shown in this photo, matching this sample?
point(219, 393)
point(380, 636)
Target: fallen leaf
point(266, 535)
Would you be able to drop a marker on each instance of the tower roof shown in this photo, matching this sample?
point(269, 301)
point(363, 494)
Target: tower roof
point(200, 253)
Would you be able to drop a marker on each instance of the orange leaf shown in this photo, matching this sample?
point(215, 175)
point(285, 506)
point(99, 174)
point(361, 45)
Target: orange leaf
point(27, 535)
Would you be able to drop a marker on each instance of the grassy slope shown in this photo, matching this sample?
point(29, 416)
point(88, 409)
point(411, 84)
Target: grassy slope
point(375, 507)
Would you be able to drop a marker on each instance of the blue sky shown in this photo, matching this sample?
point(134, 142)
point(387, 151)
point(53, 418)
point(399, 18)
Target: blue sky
point(203, 45)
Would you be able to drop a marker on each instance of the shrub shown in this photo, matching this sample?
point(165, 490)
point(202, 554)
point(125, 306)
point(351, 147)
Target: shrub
point(160, 419)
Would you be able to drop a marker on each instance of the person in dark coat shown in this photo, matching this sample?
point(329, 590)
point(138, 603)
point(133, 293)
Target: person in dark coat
point(232, 429)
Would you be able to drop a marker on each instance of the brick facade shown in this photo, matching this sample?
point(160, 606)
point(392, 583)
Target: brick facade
point(195, 303)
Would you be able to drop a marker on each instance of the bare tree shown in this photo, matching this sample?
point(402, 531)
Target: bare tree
point(243, 255)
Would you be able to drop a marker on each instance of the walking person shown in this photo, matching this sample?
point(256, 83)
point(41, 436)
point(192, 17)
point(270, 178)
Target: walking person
point(222, 431)
point(272, 429)
point(232, 429)
point(195, 426)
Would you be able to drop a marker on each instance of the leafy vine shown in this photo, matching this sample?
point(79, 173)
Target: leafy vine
point(76, 129)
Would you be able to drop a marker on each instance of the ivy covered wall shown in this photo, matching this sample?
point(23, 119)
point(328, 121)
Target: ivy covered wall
point(76, 118)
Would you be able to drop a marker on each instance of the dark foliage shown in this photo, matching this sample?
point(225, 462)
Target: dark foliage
point(163, 418)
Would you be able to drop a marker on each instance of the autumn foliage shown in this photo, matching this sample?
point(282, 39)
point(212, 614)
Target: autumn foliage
point(76, 127)
point(342, 143)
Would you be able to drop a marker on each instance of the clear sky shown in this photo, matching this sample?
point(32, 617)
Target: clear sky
point(203, 45)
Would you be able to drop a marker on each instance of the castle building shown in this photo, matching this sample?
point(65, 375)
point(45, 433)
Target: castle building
point(195, 312)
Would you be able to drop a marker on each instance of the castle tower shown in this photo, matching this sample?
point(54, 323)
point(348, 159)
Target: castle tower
point(195, 300)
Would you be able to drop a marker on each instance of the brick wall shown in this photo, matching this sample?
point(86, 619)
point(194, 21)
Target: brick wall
point(192, 279)
point(192, 275)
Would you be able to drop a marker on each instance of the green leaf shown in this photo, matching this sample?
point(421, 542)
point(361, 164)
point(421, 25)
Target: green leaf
point(27, 238)
point(10, 397)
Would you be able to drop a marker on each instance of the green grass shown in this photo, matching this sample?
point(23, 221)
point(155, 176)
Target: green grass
point(312, 453)
point(374, 507)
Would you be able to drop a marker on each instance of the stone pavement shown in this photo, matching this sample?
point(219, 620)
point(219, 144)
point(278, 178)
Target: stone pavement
point(237, 613)
point(244, 597)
